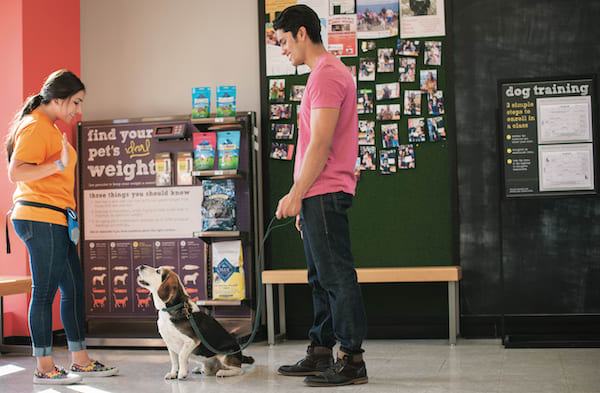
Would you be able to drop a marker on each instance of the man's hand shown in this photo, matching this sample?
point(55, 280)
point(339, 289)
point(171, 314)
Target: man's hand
point(288, 206)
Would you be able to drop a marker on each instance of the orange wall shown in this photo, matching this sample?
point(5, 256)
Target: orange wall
point(37, 37)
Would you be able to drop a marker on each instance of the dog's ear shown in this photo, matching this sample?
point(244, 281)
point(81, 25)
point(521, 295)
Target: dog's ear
point(168, 287)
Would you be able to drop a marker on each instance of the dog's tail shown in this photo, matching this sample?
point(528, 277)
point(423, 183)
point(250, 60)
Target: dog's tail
point(247, 359)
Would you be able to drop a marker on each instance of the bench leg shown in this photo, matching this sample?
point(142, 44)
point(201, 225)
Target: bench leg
point(9, 348)
point(270, 316)
point(452, 311)
point(457, 302)
point(281, 294)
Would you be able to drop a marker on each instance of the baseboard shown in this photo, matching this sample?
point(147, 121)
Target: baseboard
point(552, 331)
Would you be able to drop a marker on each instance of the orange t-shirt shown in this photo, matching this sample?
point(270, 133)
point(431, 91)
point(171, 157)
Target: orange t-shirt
point(39, 141)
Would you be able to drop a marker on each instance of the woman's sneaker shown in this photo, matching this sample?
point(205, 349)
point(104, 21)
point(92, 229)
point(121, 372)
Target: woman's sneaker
point(94, 369)
point(57, 376)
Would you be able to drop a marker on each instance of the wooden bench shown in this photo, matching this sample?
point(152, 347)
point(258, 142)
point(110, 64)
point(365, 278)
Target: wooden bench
point(449, 274)
point(12, 285)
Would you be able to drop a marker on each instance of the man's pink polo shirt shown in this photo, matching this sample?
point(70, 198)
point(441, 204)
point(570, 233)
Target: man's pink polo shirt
point(330, 85)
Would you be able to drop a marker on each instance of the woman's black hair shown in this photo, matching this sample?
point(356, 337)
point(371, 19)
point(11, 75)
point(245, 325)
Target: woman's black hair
point(296, 16)
point(60, 84)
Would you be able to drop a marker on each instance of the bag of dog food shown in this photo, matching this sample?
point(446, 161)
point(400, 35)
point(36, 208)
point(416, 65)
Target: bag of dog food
point(218, 205)
point(228, 271)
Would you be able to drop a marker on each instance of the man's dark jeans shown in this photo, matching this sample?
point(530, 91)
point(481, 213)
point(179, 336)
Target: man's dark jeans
point(339, 311)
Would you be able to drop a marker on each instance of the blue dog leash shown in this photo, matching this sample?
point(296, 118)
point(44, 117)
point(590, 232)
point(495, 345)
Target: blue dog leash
point(188, 311)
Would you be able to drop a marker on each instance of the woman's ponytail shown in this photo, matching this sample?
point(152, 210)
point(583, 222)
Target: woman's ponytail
point(31, 103)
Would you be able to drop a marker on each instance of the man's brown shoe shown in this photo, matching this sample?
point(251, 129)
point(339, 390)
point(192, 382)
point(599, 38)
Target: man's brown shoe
point(348, 370)
point(317, 359)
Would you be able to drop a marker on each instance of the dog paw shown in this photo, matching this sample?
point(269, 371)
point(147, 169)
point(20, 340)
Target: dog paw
point(171, 375)
point(181, 375)
point(197, 370)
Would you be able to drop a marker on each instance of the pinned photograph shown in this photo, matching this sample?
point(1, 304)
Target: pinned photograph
point(389, 135)
point(377, 18)
point(282, 151)
point(281, 111)
point(437, 132)
point(277, 90)
point(388, 112)
point(408, 48)
point(387, 91)
point(352, 69)
point(364, 101)
point(387, 161)
point(366, 132)
point(368, 156)
point(422, 18)
point(282, 131)
point(367, 46)
point(338, 7)
point(406, 157)
point(435, 102)
point(433, 53)
point(418, 7)
point(428, 80)
point(416, 130)
point(385, 60)
point(412, 102)
point(407, 69)
point(296, 92)
point(366, 69)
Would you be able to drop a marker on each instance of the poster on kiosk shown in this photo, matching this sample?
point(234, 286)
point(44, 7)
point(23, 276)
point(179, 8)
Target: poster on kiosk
point(129, 221)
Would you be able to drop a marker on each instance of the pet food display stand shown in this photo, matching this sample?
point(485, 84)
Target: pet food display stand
point(128, 221)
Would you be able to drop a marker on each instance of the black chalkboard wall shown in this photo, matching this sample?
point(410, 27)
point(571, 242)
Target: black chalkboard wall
point(547, 249)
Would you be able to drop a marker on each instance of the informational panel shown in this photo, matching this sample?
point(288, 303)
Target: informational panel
point(128, 221)
point(548, 136)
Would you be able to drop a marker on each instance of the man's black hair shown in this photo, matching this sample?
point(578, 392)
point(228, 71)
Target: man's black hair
point(296, 16)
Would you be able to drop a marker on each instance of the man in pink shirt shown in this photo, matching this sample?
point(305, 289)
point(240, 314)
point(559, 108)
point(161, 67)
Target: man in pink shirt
point(324, 184)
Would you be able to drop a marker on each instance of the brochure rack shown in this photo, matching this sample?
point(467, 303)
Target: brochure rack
point(128, 221)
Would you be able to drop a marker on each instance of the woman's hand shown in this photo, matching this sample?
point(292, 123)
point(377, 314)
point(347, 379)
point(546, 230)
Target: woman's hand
point(64, 154)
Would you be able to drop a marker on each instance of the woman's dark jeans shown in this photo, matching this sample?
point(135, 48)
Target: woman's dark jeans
point(54, 264)
point(339, 311)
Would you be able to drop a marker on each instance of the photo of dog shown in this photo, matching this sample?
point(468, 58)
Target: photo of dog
point(176, 329)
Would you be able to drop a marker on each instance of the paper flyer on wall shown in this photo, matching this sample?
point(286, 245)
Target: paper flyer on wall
point(565, 167)
point(276, 63)
point(422, 18)
point(321, 7)
point(341, 35)
point(376, 18)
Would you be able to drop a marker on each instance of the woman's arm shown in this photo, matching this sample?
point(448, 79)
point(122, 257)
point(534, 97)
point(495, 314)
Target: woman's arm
point(19, 170)
point(24, 171)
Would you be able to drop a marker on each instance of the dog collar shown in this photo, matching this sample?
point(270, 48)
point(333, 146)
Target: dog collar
point(175, 307)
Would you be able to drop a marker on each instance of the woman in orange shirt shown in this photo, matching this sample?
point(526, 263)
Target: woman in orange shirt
point(42, 163)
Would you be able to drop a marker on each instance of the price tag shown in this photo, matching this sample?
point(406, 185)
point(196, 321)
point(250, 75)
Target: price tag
point(219, 119)
point(218, 173)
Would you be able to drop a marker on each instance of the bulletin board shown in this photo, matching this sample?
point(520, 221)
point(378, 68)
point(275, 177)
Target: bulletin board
point(402, 218)
point(548, 136)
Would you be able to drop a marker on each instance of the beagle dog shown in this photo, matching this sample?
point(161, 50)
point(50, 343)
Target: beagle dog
point(176, 329)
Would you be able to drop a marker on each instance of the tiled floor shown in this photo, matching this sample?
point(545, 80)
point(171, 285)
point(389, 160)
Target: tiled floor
point(393, 366)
